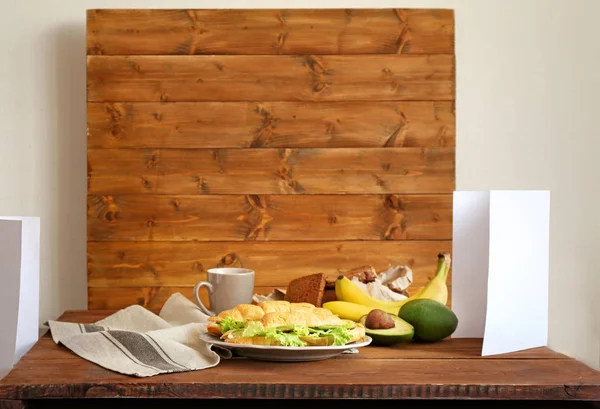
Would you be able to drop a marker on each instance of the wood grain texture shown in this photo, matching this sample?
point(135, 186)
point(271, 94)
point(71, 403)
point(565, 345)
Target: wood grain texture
point(161, 264)
point(325, 137)
point(451, 369)
point(275, 218)
point(83, 316)
point(286, 31)
point(458, 348)
point(12, 404)
point(152, 298)
point(271, 171)
point(531, 379)
point(345, 124)
point(270, 78)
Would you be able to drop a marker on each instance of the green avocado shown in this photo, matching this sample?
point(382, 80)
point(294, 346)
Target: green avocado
point(432, 320)
point(400, 333)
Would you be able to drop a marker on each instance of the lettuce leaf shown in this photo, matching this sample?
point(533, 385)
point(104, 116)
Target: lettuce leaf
point(341, 335)
point(280, 334)
point(289, 339)
point(253, 329)
point(229, 323)
point(290, 336)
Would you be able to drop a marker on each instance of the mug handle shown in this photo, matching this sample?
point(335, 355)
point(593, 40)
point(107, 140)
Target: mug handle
point(209, 287)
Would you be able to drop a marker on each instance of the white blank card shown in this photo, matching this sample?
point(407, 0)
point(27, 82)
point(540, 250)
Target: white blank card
point(500, 268)
point(19, 288)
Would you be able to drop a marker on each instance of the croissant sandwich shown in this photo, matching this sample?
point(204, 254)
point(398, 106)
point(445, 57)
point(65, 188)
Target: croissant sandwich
point(281, 323)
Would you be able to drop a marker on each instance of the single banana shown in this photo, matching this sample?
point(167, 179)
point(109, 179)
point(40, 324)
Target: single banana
point(347, 290)
point(349, 310)
point(435, 289)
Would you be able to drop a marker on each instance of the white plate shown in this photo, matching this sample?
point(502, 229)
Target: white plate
point(285, 354)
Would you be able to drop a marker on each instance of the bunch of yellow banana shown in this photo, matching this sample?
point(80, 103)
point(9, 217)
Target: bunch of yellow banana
point(352, 302)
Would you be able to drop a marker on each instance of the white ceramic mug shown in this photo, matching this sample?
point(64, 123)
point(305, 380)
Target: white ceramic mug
point(227, 287)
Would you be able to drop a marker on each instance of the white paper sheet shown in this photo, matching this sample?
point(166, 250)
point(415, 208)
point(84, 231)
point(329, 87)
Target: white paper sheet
point(470, 255)
point(500, 268)
point(10, 266)
point(517, 301)
point(19, 287)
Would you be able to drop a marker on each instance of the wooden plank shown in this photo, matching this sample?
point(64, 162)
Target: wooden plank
point(451, 369)
point(531, 379)
point(270, 78)
point(13, 404)
point(276, 218)
point(460, 348)
point(45, 349)
point(162, 264)
point(449, 348)
point(271, 171)
point(84, 316)
point(187, 88)
point(291, 31)
point(339, 124)
point(153, 298)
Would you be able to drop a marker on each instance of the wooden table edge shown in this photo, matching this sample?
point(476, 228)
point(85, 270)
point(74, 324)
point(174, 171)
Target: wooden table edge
point(12, 393)
point(172, 390)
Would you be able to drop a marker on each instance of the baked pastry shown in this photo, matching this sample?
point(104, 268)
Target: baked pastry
point(241, 313)
point(284, 324)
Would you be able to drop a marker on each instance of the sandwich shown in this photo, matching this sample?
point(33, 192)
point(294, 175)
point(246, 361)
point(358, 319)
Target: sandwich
point(282, 323)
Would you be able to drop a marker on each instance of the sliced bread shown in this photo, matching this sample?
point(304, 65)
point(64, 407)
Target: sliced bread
point(309, 288)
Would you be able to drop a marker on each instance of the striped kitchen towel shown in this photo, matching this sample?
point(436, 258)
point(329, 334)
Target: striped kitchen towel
point(135, 341)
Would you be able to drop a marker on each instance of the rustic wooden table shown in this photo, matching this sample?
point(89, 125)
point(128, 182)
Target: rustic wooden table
point(450, 369)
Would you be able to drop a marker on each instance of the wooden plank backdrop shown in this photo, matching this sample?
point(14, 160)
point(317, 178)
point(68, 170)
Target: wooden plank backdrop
point(288, 141)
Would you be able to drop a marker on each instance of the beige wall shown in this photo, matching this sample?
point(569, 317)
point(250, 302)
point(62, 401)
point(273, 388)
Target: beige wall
point(528, 81)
